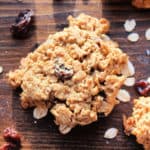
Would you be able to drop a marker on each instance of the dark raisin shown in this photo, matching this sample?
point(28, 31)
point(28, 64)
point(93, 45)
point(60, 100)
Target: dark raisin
point(99, 44)
point(102, 83)
point(9, 146)
point(23, 25)
point(11, 135)
point(103, 94)
point(143, 87)
point(92, 70)
point(62, 72)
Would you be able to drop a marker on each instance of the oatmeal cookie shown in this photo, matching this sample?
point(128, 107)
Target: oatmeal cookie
point(141, 3)
point(76, 73)
point(139, 123)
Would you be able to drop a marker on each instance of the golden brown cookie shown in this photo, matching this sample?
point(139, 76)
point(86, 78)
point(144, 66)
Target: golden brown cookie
point(76, 73)
point(139, 122)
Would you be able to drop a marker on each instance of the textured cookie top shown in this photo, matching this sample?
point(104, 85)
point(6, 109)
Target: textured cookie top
point(75, 73)
point(139, 123)
point(85, 22)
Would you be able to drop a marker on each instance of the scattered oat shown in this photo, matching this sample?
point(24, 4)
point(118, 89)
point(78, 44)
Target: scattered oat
point(147, 34)
point(64, 129)
point(129, 25)
point(1, 69)
point(129, 81)
point(40, 112)
point(148, 80)
point(111, 133)
point(128, 69)
point(148, 52)
point(123, 95)
point(133, 37)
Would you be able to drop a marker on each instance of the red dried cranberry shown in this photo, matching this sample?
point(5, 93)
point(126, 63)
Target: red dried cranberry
point(143, 87)
point(9, 146)
point(23, 24)
point(12, 136)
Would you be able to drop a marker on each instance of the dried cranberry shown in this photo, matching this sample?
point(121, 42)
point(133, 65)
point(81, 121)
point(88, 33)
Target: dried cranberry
point(9, 146)
point(62, 72)
point(23, 24)
point(12, 136)
point(143, 87)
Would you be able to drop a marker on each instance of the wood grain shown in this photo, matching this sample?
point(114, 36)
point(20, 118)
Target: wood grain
point(51, 17)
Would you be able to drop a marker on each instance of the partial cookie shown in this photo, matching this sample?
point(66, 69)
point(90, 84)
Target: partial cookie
point(76, 74)
point(139, 123)
point(85, 22)
point(141, 3)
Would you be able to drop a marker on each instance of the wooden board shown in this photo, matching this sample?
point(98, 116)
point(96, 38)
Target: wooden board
point(51, 17)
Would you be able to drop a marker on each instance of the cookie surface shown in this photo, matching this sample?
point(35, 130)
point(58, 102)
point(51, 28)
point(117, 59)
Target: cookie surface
point(139, 122)
point(75, 73)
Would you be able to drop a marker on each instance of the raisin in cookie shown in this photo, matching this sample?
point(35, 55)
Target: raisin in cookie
point(139, 123)
point(75, 73)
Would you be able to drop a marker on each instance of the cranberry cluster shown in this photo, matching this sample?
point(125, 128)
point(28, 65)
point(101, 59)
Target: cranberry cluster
point(143, 87)
point(13, 138)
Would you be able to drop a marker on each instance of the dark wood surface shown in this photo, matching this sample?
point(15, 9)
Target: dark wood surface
point(51, 17)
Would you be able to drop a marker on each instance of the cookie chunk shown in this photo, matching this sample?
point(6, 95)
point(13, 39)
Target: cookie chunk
point(139, 123)
point(141, 3)
point(75, 73)
point(85, 22)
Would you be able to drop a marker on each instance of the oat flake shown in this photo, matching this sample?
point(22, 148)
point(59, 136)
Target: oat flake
point(147, 34)
point(123, 95)
point(128, 69)
point(40, 112)
point(133, 37)
point(129, 25)
point(111, 133)
point(129, 81)
point(148, 80)
point(1, 69)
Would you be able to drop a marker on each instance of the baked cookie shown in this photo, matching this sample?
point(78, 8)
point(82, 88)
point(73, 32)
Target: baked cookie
point(75, 73)
point(141, 3)
point(139, 123)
